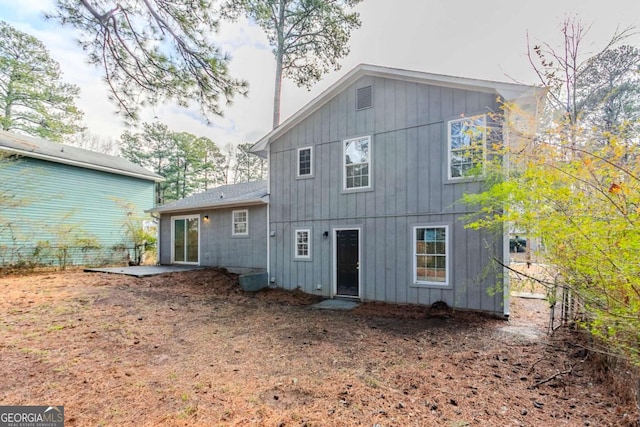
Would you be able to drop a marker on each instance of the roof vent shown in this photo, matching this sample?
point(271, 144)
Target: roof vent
point(364, 98)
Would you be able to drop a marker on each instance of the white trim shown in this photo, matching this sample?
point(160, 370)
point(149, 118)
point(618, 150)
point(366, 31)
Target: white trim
point(296, 255)
point(484, 146)
point(233, 204)
point(334, 286)
point(306, 175)
point(159, 239)
point(268, 227)
point(447, 252)
point(233, 222)
point(173, 243)
point(369, 164)
point(506, 272)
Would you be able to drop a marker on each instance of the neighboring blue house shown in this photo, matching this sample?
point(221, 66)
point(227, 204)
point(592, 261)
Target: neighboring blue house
point(54, 195)
point(221, 227)
point(365, 184)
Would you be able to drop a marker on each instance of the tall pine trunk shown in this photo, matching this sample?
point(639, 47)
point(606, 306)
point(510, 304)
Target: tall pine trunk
point(279, 60)
point(278, 91)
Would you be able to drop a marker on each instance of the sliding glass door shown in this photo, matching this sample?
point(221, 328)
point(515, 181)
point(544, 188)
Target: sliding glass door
point(186, 239)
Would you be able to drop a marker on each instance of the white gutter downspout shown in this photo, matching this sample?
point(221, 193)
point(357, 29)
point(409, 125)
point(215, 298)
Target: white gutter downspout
point(268, 216)
point(506, 254)
point(159, 218)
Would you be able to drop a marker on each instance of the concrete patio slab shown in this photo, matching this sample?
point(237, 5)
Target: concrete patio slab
point(144, 270)
point(335, 304)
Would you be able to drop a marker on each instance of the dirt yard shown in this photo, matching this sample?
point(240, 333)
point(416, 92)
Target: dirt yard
point(191, 349)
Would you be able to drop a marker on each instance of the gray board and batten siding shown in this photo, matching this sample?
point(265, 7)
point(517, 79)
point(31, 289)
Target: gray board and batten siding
point(217, 245)
point(409, 186)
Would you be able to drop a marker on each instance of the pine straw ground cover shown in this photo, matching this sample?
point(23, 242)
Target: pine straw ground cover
point(191, 349)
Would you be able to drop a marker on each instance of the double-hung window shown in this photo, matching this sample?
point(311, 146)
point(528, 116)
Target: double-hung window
point(240, 223)
point(467, 139)
point(302, 243)
point(357, 163)
point(430, 255)
point(305, 162)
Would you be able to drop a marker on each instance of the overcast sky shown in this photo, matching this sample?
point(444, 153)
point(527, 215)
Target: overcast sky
point(478, 39)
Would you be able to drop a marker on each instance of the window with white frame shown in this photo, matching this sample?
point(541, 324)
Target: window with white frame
point(305, 162)
point(467, 145)
point(357, 162)
point(303, 243)
point(430, 255)
point(240, 223)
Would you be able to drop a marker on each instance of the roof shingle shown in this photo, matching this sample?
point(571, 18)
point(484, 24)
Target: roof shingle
point(28, 146)
point(254, 192)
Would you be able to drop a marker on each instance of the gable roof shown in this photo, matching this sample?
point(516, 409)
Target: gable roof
point(243, 194)
point(36, 148)
point(508, 91)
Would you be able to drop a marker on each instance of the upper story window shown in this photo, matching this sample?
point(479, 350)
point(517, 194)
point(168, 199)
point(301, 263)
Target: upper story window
point(357, 162)
point(305, 162)
point(240, 223)
point(467, 139)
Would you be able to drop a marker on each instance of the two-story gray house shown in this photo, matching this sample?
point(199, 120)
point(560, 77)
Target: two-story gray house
point(365, 185)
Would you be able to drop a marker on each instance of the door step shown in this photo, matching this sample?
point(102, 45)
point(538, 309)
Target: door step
point(335, 304)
